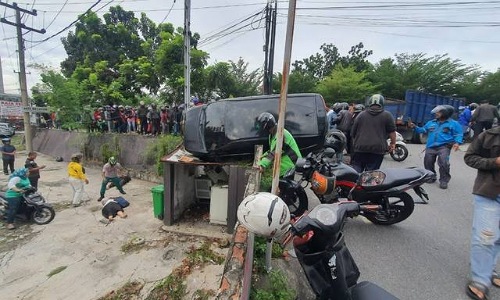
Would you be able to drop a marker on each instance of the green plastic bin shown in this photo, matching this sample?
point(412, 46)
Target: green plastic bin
point(158, 192)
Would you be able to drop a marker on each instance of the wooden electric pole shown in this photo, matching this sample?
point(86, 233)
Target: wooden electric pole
point(22, 67)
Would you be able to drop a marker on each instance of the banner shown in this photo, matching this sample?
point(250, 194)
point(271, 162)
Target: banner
point(11, 109)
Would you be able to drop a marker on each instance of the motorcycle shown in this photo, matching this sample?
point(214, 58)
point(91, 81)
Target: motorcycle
point(33, 207)
point(331, 181)
point(331, 271)
point(400, 152)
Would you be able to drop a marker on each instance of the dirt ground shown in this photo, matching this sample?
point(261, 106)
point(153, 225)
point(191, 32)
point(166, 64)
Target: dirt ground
point(78, 256)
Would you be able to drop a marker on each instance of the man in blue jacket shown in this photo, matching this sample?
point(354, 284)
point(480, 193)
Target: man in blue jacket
point(444, 134)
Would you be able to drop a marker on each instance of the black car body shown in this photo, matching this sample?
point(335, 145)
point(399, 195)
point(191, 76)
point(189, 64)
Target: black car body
point(226, 128)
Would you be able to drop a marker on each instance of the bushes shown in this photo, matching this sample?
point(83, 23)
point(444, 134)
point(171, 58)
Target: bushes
point(161, 147)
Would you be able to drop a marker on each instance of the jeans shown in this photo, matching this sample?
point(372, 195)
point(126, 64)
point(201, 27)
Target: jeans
point(14, 204)
point(8, 164)
point(366, 161)
point(442, 153)
point(78, 187)
point(115, 180)
point(485, 241)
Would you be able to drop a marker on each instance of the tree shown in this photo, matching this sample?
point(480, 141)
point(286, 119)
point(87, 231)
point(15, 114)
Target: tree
point(345, 84)
point(489, 88)
point(298, 82)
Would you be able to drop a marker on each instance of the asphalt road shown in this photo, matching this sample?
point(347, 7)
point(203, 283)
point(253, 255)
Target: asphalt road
point(425, 257)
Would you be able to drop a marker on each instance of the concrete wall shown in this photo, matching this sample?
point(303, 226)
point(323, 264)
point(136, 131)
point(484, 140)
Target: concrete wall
point(131, 148)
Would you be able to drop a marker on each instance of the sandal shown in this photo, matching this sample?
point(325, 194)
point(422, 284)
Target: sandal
point(479, 287)
point(495, 279)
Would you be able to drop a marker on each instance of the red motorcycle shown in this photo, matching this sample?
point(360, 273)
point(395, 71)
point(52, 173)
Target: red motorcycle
point(384, 189)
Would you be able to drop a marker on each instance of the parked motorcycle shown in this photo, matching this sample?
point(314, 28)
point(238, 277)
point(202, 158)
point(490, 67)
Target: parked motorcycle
point(331, 181)
point(400, 152)
point(318, 241)
point(33, 207)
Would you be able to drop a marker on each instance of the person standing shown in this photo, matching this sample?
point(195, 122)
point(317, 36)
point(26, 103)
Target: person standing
point(8, 156)
point(34, 169)
point(110, 172)
point(331, 115)
point(18, 182)
point(142, 113)
point(483, 154)
point(483, 117)
point(444, 134)
point(369, 132)
point(266, 124)
point(77, 178)
point(344, 124)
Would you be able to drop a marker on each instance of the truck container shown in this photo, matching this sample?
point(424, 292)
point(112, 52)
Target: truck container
point(417, 108)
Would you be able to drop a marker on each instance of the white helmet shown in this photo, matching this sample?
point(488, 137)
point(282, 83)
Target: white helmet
point(264, 214)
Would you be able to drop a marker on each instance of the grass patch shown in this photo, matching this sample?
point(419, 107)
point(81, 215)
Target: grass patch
point(173, 287)
point(203, 294)
point(161, 147)
point(276, 288)
point(56, 271)
point(259, 260)
point(129, 291)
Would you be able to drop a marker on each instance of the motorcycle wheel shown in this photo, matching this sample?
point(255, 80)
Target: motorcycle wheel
point(400, 153)
point(296, 200)
point(44, 216)
point(400, 208)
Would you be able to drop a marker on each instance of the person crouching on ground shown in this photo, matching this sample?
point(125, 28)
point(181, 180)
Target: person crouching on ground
point(77, 177)
point(110, 174)
point(444, 134)
point(111, 209)
point(18, 183)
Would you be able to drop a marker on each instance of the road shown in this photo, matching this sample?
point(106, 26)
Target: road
point(426, 257)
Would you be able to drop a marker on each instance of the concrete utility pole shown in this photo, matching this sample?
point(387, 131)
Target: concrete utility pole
point(187, 54)
point(22, 67)
point(269, 46)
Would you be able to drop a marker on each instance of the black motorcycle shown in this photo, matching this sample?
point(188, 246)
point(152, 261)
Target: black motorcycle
point(331, 181)
point(318, 241)
point(33, 207)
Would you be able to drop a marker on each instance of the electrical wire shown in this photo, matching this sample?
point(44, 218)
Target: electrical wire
point(168, 13)
point(57, 15)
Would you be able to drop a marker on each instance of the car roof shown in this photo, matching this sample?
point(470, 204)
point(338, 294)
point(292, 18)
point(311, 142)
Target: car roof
point(262, 97)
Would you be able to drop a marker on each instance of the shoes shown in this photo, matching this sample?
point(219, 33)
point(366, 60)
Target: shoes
point(443, 185)
point(123, 192)
point(76, 205)
point(11, 226)
point(100, 198)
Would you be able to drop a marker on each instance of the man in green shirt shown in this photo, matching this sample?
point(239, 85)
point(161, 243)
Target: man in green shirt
point(267, 123)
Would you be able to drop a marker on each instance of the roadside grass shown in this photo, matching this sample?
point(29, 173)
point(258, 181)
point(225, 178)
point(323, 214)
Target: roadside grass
point(129, 291)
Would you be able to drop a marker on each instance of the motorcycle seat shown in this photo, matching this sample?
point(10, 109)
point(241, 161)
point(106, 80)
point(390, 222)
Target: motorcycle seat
point(370, 291)
point(395, 177)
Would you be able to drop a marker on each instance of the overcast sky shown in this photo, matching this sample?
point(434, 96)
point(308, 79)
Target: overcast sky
point(466, 30)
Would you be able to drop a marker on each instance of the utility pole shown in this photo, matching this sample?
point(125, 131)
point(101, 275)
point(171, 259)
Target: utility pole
point(22, 68)
point(269, 46)
point(187, 54)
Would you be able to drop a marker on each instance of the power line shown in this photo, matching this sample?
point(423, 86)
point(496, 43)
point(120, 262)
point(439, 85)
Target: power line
point(57, 15)
point(168, 13)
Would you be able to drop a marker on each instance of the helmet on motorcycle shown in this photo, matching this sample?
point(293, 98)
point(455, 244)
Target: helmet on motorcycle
point(264, 214)
point(446, 111)
point(265, 122)
point(376, 99)
point(112, 160)
point(336, 140)
point(359, 108)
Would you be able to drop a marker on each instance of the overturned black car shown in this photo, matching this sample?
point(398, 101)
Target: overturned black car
point(226, 128)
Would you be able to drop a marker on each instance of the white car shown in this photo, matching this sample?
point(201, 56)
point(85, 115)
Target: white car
point(6, 130)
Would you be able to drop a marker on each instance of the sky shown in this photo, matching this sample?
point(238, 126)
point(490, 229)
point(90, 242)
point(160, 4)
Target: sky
point(468, 30)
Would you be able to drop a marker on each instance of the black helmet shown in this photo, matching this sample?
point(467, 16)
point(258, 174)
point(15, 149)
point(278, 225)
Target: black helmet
point(375, 99)
point(337, 107)
point(265, 121)
point(336, 140)
point(359, 108)
point(446, 111)
point(344, 105)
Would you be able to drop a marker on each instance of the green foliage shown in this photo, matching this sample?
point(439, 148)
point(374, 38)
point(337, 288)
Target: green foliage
point(259, 257)
point(345, 84)
point(203, 294)
point(266, 180)
point(299, 82)
point(276, 288)
point(203, 255)
point(172, 287)
point(110, 149)
point(128, 291)
point(163, 145)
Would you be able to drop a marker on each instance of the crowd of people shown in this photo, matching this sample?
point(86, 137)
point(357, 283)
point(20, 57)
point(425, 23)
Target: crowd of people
point(146, 120)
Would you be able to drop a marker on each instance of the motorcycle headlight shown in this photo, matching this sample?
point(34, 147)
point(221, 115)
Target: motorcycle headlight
point(371, 178)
